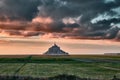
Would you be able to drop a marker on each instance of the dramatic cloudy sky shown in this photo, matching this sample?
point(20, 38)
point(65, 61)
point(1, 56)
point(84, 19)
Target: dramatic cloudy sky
point(76, 19)
point(63, 18)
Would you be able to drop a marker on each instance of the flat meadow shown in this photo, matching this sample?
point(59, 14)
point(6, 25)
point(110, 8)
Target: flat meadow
point(86, 66)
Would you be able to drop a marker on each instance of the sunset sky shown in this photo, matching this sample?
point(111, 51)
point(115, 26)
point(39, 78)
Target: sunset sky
point(78, 26)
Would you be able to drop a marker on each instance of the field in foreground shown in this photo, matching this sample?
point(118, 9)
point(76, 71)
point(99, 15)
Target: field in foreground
point(92, 66)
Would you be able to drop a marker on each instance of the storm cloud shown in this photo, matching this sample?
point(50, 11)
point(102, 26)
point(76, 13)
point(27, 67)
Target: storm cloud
point(94, 19)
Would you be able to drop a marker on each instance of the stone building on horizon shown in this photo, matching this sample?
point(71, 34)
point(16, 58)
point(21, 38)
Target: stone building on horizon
point(55, 50)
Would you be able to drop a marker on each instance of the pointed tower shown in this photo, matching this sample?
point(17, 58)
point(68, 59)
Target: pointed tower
point(55, 50)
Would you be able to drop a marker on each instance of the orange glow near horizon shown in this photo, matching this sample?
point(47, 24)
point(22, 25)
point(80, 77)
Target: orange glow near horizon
point(26, 46)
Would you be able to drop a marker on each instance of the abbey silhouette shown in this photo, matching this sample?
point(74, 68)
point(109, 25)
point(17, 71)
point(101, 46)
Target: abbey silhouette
point(55, 50)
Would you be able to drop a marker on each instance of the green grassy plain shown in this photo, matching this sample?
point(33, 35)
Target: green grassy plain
point(88, 66)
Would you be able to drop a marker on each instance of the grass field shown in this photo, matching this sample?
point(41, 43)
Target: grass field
point(88, 66)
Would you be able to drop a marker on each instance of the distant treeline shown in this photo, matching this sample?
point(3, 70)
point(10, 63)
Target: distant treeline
point(59, 77)
point(34, 60)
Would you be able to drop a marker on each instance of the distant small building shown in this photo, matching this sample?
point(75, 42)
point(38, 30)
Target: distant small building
point(112, 54)
point(55, 50)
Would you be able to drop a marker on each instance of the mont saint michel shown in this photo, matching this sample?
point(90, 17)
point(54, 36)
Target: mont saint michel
point(55, 50)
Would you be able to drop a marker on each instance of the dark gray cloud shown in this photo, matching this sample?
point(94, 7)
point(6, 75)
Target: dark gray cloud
point(71, 18)
point(19, 9)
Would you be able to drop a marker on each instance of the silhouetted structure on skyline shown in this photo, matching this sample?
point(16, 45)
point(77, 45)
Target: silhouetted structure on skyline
point(55, 50)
